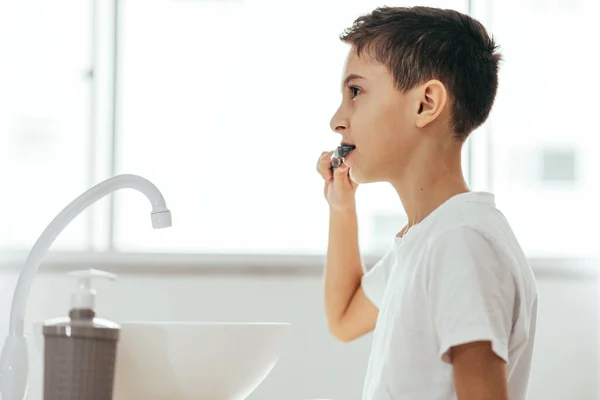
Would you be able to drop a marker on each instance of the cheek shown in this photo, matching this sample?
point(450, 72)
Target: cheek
point(400, 130)
point(391, 129)
point(372, 121)
point(380, 128)
point(395, 114)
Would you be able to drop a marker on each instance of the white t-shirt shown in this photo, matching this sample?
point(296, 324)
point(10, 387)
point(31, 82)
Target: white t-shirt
point(456, 277)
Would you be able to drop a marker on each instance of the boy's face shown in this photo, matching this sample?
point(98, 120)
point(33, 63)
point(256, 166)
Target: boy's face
point(378, 119)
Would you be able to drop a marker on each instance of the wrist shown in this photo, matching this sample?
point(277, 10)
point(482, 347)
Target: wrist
point(343, 210)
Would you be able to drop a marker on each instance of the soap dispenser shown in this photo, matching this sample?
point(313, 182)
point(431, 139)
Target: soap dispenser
point(80, 351)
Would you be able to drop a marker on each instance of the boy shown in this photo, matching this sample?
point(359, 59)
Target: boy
point(454, 302)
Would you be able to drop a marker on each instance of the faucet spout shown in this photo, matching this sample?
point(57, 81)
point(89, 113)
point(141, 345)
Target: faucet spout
point(160, 215)
point(13, 363)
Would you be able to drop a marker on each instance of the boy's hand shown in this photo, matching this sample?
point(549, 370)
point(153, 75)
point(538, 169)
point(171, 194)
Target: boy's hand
point(339, 189)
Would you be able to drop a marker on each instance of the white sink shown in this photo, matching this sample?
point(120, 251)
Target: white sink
point(194, 361)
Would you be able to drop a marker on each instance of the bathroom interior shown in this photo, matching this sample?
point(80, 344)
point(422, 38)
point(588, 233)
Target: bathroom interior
point(224, 105)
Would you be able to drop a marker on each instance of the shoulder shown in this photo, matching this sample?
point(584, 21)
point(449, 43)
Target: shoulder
point(479, 262)
point(472, 236)
point(473, 249)
point(476, 230)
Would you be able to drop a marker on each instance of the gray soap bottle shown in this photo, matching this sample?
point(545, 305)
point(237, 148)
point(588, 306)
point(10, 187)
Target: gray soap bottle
point(80, 351)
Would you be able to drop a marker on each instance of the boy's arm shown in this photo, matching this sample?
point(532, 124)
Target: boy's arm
point(479, 374)
point(472, 298)
point(358, 319)
point(350, 314)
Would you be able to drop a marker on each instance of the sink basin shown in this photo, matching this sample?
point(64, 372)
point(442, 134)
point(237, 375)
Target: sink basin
point(195, 361)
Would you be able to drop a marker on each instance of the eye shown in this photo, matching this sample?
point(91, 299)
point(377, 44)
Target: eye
point(354, 91)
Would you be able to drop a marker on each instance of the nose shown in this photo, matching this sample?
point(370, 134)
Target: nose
point(339, 122)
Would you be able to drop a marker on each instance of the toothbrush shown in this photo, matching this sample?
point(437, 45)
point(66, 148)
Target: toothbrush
point(339, 154)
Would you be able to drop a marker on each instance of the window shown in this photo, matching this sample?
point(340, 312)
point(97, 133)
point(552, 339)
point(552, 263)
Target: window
point(44, 118)
point(538, 147)
point(227, 108)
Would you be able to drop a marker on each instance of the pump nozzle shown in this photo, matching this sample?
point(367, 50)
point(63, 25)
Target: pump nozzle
point(85, 296)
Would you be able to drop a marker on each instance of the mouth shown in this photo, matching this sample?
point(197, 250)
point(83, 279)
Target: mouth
point(343, 150)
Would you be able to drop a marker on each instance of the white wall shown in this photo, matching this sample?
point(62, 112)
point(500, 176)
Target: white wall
point(314, 365)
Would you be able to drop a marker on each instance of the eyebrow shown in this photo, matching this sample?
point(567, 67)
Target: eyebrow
point(351, 77)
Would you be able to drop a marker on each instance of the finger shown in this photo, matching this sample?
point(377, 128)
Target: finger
point(321, 159)
point(324, 166)
point(341, 177)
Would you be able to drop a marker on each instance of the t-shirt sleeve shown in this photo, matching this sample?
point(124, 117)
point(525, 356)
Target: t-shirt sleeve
point(375, 280)
point(471, 291)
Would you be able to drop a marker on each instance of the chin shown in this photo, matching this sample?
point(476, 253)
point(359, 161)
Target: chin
point(353, 176)
point(358, 177)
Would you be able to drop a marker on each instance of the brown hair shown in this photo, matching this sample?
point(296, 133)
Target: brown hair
point(422, 43)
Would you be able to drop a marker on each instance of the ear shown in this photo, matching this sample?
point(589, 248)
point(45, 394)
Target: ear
point(431, 101)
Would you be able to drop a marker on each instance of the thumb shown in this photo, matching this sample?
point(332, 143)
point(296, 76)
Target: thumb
point(341, 178)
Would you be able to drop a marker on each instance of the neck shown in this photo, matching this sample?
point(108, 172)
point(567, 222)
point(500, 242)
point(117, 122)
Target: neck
point(429, 180)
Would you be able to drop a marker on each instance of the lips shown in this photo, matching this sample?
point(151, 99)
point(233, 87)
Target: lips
point(343, 150)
